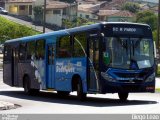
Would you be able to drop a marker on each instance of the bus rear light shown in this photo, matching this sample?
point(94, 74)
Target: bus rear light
point(150, 88)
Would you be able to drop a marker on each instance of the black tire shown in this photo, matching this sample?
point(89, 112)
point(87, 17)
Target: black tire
point(63, 93)
point(123, 96)
point(81, 96)
point(27, 87)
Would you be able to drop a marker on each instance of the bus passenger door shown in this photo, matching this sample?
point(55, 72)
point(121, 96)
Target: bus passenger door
point(93, 61)
point(51, 65)
point(14, 67)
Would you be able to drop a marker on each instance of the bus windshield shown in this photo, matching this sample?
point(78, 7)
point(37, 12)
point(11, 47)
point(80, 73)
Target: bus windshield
point(128, 53)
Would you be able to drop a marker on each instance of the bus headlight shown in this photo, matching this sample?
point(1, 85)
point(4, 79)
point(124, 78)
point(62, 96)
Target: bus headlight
point(107, 77)
point(150, 78)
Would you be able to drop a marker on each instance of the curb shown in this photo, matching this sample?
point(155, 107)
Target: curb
point(6, 105)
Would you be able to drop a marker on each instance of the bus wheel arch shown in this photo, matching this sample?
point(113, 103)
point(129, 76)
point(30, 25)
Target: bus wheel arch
point(27, 86)
point(77, 86)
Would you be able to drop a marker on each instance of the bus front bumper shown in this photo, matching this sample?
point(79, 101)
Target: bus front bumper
point(115, 87)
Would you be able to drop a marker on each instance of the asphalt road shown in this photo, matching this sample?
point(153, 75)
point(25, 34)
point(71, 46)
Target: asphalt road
point(46, 102)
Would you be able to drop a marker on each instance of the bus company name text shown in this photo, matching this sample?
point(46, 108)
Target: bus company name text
point(61, 67)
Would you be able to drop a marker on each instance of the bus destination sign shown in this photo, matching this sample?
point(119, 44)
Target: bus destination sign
point(129, 30)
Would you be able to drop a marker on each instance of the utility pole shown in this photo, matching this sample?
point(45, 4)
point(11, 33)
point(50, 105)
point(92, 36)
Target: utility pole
point(44, 16)
point(76, 13)
point(158, 30)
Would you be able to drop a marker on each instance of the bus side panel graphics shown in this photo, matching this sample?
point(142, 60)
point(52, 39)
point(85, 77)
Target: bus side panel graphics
point(39, 71)
point(27, 69)
point(66, 68)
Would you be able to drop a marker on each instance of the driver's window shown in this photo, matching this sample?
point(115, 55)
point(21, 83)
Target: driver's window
point(144, 47)
point(116, 49)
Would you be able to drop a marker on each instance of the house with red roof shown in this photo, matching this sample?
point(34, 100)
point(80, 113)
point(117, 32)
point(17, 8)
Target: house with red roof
point(115, 16)
point(108, 11)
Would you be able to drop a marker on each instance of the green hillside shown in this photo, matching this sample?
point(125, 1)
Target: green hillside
point(11, 30)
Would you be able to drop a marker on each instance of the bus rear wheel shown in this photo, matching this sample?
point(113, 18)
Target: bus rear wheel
point(123, 96)
point(81, 96)
point(27, 87)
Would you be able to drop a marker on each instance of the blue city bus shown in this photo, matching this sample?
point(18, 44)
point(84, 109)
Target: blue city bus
point(107, 57)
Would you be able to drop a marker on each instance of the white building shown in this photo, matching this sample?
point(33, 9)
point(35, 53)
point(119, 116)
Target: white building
point(19, 7)
point(58, 11)
point(89, 9)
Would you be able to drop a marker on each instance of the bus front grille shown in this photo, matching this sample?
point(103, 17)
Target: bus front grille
point(131, 81)
point(131, 88)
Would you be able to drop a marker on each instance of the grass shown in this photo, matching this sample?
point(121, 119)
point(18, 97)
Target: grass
point(157, 89)
point(158, 70)
point(12, 30)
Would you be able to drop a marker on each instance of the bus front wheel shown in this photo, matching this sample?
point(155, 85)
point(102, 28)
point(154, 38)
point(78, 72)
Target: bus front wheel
point(81, 96)
point(123, 96)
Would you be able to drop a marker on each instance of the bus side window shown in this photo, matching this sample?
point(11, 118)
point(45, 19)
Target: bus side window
point(7, 53)
point(22, 51)
point(64, 48)
point(40, 49)
point(80, 43)
point(30, 49)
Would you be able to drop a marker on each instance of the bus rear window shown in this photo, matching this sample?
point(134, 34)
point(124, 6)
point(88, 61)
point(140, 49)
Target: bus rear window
point(7, 53)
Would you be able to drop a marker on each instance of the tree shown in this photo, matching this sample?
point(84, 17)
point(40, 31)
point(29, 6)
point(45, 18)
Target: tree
point(155, 35)
point(147, 17)
point(11, 30)
point(76, 22)
point(67, 23)
point(132, 7)
point(38, 14)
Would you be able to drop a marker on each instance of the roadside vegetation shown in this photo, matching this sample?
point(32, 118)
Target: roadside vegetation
point(157, 89)
point(146, 17)
point(76, 22)
point(11, 30)
point(132, 7)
